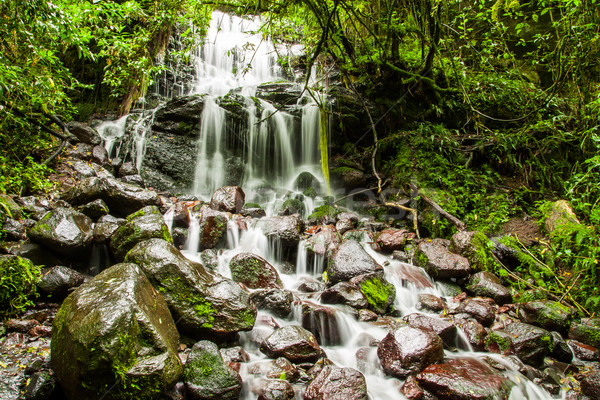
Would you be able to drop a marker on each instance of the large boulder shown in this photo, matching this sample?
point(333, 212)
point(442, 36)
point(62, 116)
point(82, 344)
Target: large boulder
point(345, 293)
point(115, 329)
point(254, 271)
point(348, 261)
point(294, 343)
point(180, 116)
point(547, 314)
point(200, 302)
point(486, 284)
point(144, 224)
point(408, 350)
point(275, 300)
point(208, 377)
point(64, 230)
point(121, 197)
point(228, 198)
point(439, 262)
point(464, 379)
point(530, 343)
point(337, 383)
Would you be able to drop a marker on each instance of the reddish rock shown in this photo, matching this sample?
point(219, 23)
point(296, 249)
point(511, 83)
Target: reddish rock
point(393, 239)
point(350, 260)
point(479, 309)
point(411, 389)
point(294, 343)
point(584, 352)
point(439, 262)
point(464, 379)
point(272, 389)
point(335, 383)
point(431, 303)
point(443, 328)
point(408, 350)
point(229, 199)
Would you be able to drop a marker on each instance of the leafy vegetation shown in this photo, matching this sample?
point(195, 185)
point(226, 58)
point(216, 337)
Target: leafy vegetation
point(18, 277)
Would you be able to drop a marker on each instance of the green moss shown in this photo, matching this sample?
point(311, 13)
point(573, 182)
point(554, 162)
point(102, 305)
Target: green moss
point(502, 341)
point(18, 278)
point(323, 211)
point(294, 205)
point(421, 259)
point(310, 192)
point(252, 205)
point(182, 292)
point(529, 296)
point(547, 342)
point(377, 292)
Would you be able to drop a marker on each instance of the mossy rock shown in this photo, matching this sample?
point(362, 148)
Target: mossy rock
point(207, 376)
point(587, 331)
point(144, 224)
point(475, 247)
point(254, 271)
point(380, 294)
point(547, 314)
point(293, 206)
point(10, 207)
point(115, 329)
point(324, 211)
point(65, 231)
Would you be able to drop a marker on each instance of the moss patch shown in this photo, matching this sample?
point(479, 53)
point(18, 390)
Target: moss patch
point(18, 278)
point(378, 292)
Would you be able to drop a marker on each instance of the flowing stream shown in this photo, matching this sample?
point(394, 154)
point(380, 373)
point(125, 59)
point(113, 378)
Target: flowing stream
point(279, 145)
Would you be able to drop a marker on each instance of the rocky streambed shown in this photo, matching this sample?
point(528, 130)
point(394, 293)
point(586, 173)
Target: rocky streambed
point(149, 296)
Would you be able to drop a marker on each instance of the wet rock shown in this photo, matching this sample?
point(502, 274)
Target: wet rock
point(282, 368)
point(253, 212)
point(200, 302)
point(294, 343)
point(235, 354)
point(272, 389)
point(13, 230)
point(180, 116)
point(550, 315)
point(105, 227)
point(115, 325)
point(56, 282)
point(310, 285)
point(229, 199)
point(408, 350)
point(479, 309)
point(64, 230)
point(367, 315)
point(324, 242)
point(380, 294)
point(40, 386)
point(21, 325)
point(276, 301)
point(207, 376)
point(322, 322)
point(127, 168)
point(144, 224)
point(430, 303)
point(280, 93)
point(293, 206)
point(584, 352)
point(343, 225)
point(411, 389)
point(562, 352)
point(283, 229)
point(213, 228)
point(530, 343)
point(587, 331)
point(439, 262)
point(254, 271)
point(345, 293)
point(444, 329)
point(486, 284)
point(475, 332)
point(41, 331)
point(34, 205)
point(464, 379)
point(100, 156)
point(590, 385)
point(393, 239)
point(32, 251)
point(348, 261)
point(348, 177)
point(305, 181)
point(121, 197)
point(94, 209)
point(337, 383)
point(210, 259)
point(84, 133)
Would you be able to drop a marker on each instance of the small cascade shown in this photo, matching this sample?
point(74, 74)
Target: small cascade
point(210, 163)
point(112, 134)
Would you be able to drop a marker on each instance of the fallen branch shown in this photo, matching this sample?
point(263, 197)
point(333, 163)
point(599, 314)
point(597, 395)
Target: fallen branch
point(412, 210)
point(453, 220)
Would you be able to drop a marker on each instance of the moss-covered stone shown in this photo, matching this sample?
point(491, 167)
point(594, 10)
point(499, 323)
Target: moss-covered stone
point(114, 338)
point(10, 207)
point(253, 271)
point(587, 331)
point(144, 224)
point(380, 294)
point(64, 230)
point(293, 206)
point(323, 211)
point(550, 315)
point(207, 376)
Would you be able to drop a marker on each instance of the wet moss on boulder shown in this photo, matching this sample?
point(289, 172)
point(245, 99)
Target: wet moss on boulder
point(114, 338)
point(254, 271)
